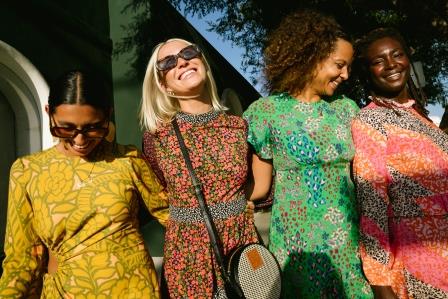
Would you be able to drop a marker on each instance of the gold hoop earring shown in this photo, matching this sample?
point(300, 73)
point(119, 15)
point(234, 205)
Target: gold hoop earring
point(171, 93)
point(111, 134)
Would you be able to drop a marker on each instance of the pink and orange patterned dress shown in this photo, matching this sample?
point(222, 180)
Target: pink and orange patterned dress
point(401, 173)
point(218, 150)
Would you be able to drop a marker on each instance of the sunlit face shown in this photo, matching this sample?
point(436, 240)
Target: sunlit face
point(81, 117)
point(334, 70)
point(389, 67)
point(188, 77)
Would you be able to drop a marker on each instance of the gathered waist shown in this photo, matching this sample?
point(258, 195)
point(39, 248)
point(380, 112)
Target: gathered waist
point(130, 256)
point(221, 210)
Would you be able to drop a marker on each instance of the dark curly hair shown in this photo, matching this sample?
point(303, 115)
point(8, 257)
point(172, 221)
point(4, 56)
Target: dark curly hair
point(361, 69)
point(293, 51)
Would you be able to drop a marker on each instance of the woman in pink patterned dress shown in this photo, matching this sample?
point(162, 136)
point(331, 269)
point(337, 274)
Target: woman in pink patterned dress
point(401, 173)
point(178, 83)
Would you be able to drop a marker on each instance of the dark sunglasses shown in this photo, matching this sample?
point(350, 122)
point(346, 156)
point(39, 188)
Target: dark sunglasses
point(71, 132)
point(170, 61)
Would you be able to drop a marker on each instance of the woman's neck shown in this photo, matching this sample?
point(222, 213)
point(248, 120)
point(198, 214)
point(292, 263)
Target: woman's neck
point(401, 97)
point(307, 96)
point(195, 105)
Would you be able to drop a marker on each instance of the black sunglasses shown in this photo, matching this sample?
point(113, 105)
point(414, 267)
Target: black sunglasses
point(170, 61)
point(72, 132)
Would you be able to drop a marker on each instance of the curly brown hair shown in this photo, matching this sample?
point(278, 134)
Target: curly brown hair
point(293, 51)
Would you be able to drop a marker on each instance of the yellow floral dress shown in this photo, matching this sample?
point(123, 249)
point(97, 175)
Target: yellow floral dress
point(85, 214)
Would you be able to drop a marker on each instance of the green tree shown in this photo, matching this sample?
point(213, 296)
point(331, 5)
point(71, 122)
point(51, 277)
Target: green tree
point(246, 23)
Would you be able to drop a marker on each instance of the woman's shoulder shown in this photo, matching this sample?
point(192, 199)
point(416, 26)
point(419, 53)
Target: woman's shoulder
point(234, 120)
point(163, 129)
point(374, 116)
point(34, 161)
point(344, 102)
point(42, 155)
point(345, 108)
point(266, 105)
point(374, 113)
point(127, 150)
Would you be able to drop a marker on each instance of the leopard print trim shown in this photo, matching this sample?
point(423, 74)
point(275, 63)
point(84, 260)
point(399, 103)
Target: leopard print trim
point(379, 117)
point(373, 206)
point(403, 192)
point(374, 249)
point(222, 210)
point(419, 290)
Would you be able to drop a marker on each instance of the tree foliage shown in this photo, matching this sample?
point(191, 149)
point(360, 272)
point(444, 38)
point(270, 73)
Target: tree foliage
point(247, 23)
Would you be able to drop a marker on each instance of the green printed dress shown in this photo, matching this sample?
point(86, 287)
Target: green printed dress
point(314, 224)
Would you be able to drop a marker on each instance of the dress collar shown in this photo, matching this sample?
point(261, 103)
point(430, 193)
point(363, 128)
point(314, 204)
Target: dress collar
point(391, 103)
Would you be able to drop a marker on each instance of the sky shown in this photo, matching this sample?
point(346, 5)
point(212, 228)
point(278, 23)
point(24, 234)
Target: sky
point(233, 54)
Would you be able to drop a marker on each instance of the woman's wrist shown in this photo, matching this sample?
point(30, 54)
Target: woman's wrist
point(383, 292)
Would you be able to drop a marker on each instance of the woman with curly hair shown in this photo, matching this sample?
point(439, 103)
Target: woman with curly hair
point(302, 136)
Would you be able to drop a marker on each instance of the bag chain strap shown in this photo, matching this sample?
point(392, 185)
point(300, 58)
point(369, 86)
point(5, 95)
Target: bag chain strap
point(211, 228)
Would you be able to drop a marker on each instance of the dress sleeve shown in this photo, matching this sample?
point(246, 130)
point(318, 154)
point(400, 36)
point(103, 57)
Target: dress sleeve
point(259, 135)
point(150, 156)
point(352, 107)
point(151, 190)
point(371, 178)
point(23, 266)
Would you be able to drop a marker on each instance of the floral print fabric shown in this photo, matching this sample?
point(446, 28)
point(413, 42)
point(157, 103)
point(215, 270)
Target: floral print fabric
point(218, 152)
point(313, 231)
point(85, 213)
point(401, 172)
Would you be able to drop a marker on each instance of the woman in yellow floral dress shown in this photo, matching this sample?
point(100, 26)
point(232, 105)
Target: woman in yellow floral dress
point(75, 205)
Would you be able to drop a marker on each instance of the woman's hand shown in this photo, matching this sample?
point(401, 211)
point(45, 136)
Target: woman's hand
point(383, 292)
point(250, 208)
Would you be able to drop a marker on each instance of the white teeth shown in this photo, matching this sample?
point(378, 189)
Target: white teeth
point(394, 76)
point(184, 75)
point(79, 147)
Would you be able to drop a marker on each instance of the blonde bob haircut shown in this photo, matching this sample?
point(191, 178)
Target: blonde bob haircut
point(157, 106)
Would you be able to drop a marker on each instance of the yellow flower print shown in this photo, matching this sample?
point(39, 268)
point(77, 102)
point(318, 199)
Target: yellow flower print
point(55, 181)
point(120, 288)
point(93, 272)
point(96, 223)
point(134, 288)
point(138, 288)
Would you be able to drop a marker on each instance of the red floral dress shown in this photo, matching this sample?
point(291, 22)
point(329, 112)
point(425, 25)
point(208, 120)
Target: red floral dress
point(218, 150)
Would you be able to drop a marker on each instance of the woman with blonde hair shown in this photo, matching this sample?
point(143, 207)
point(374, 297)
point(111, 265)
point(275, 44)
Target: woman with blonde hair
point(179, 85)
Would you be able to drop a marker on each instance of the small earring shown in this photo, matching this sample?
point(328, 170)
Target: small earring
point(111, 134)
point(171, 93)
